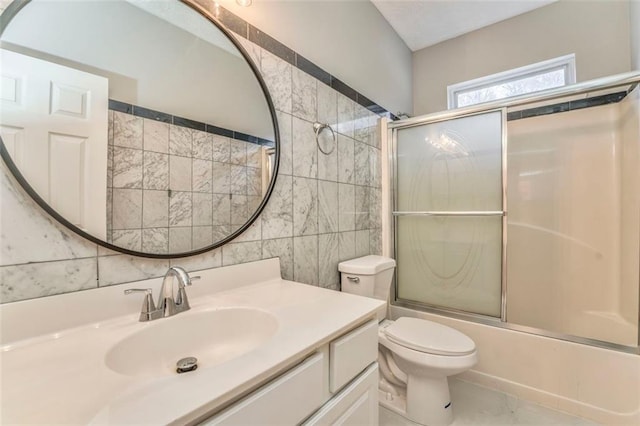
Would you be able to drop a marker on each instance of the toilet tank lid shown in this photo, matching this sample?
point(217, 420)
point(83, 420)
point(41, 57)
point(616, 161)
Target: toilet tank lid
point(367, 265)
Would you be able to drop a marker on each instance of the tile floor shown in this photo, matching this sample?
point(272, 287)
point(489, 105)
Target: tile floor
point(476, 405)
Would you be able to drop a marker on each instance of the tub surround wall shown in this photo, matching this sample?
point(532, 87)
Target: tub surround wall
point(324, 208)
point(629, 127)
point(572, 255)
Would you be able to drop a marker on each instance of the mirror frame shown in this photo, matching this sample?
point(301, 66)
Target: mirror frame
point(6, 18)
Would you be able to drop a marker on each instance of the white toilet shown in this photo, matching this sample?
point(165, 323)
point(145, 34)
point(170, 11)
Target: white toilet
point(415, 356)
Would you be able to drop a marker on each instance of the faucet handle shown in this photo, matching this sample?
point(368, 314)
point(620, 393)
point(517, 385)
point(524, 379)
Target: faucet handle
point(191, 279)
point(148, 310)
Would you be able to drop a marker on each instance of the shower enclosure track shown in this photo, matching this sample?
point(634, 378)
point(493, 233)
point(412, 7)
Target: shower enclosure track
point(450, 213)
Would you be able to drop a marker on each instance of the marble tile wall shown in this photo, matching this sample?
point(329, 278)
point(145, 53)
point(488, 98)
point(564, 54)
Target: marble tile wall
point(175, 189)
point(324, 208)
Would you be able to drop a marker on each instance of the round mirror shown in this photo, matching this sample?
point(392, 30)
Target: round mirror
point(141, 125)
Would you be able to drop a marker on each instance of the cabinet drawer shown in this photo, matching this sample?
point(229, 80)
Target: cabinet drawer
point(356, 404)
point(351, 354)
point(285, 401)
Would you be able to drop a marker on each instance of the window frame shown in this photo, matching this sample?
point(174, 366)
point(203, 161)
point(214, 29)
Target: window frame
point(566, 63)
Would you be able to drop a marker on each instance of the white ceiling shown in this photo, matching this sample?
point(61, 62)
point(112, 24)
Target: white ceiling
point(422, 23)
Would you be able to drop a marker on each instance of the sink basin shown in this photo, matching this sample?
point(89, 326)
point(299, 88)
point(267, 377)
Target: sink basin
point(213, 337)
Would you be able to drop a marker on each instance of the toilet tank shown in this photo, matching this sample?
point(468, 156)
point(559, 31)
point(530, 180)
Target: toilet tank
point(368, 276)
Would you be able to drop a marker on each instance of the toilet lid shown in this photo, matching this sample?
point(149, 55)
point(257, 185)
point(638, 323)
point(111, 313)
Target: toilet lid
point(430, 337)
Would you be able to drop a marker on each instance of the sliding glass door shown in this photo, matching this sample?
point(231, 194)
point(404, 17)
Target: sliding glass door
point(449, 212)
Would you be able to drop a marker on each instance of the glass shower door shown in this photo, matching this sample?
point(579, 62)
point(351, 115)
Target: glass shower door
point(448, 211)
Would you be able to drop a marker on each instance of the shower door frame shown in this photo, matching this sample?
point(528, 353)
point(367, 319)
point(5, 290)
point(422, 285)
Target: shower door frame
point(626, 79)
point(396, 214)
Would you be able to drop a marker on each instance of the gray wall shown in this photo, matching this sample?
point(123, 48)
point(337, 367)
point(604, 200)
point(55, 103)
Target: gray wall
point(348, 38)
point(596, 31)
point(324, 208)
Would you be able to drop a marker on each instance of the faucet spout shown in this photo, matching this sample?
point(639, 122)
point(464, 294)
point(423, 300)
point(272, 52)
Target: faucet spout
point(166, 302)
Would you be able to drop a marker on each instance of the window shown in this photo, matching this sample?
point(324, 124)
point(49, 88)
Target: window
point(549, 74)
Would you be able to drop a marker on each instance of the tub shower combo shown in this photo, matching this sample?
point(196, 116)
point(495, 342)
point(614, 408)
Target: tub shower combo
point(524, 213)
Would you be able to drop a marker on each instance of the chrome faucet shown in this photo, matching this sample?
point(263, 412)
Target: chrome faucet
point(167, 304)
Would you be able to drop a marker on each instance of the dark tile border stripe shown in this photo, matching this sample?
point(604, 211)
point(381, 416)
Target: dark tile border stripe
point(271, 44)
point(313, 70)
point(151, 114)
point(185, 122)
point(219, 131)
point(120, 106)
point(265, 41)
point(232, 22)
point(142, 112)
point(567, 106)
point(344, 89)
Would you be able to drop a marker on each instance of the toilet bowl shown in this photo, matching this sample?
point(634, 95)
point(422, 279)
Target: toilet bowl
point(415, 356)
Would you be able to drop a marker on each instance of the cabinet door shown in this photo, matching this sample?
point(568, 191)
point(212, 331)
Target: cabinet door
point(350, 354)
point(357, 404)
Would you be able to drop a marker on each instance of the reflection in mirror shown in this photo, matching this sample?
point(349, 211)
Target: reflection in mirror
point(139, 122)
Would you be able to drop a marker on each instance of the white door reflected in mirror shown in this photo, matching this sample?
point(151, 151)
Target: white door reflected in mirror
point(54, 124)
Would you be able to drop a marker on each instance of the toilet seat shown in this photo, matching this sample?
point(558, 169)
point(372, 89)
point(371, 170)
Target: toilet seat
point(429, 337)
point(442, 364)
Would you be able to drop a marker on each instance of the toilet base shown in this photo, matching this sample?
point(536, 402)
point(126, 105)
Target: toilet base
point(428, 401)
point(428, 397)
point(395, 403)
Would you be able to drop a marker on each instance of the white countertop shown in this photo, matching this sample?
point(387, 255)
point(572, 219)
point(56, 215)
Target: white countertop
point(60, 376)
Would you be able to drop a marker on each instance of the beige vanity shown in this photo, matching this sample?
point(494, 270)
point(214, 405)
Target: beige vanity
point(269, 351)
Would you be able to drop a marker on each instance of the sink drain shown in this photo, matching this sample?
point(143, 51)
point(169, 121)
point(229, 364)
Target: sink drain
point(187, 364)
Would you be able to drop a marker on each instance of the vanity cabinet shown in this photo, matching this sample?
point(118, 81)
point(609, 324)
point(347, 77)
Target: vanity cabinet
point(272, 352)
point(338, 384)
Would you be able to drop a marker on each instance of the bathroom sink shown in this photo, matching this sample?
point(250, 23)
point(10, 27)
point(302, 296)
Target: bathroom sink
point(213, 337)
